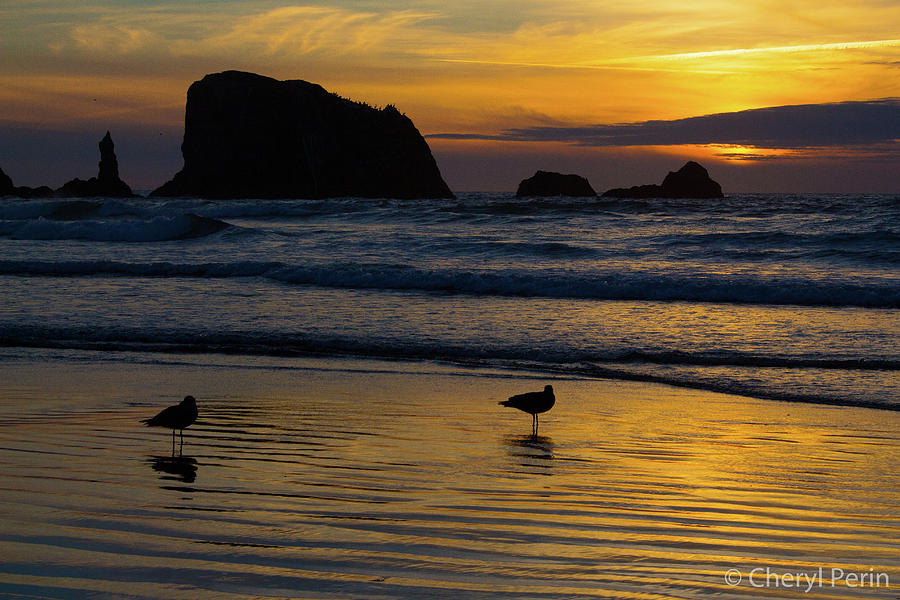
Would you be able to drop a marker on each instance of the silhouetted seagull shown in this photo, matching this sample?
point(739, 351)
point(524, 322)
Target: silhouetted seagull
point(534, 403)
point(176, 417)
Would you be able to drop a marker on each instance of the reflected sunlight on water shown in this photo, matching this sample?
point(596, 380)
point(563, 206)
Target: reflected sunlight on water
point(364, 479)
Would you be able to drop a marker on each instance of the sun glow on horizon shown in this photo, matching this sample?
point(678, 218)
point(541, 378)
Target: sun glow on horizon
point(745, 154)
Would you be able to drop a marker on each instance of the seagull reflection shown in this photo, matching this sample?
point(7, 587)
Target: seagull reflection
point(531, 450)
point(179, 468)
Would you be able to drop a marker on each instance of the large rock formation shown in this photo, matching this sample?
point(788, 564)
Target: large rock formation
point(545, 183)
point(690, 181)
point(106, 184)
point(249, 136)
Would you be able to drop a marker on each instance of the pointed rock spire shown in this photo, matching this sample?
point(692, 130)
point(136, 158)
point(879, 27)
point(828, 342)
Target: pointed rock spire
point(106, 184)
point(109, 166)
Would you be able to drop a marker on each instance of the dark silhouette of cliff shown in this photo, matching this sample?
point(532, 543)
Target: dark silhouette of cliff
point(8, 189)
point(106, 184)
point(249, 136)
point(690, 181)
point(6, 185)
point(545, 183)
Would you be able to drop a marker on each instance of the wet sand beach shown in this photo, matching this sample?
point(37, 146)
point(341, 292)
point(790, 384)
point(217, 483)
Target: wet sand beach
point(328, 478)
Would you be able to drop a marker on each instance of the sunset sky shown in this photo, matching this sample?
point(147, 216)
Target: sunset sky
point(610, 90)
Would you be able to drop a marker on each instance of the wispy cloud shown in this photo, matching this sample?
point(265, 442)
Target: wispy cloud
point(303, 30)
point(578, 66)
point(286, 32)
point(828, 47)
point(664, 62)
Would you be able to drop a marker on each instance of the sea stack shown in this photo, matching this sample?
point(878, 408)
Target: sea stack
point(250, 136)
point(690, 181)
point(106, 184)
point(546, 183)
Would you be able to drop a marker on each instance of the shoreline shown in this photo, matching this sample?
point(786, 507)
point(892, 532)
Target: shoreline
point(445, 366)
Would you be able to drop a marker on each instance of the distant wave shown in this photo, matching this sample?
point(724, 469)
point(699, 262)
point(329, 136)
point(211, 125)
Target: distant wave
point(73, 209)
point(156, 229)
point(873, 237)
point(870, 247)
point(741, 289)
point(466, 205)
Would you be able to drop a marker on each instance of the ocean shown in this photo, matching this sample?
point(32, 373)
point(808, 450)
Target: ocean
point(787, 297)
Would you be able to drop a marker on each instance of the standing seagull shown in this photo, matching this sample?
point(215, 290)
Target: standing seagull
point(176, 417)
point(534, 403)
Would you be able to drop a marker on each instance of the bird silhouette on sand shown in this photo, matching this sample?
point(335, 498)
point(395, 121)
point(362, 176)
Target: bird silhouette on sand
point(175, 417)
point(533, 403)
